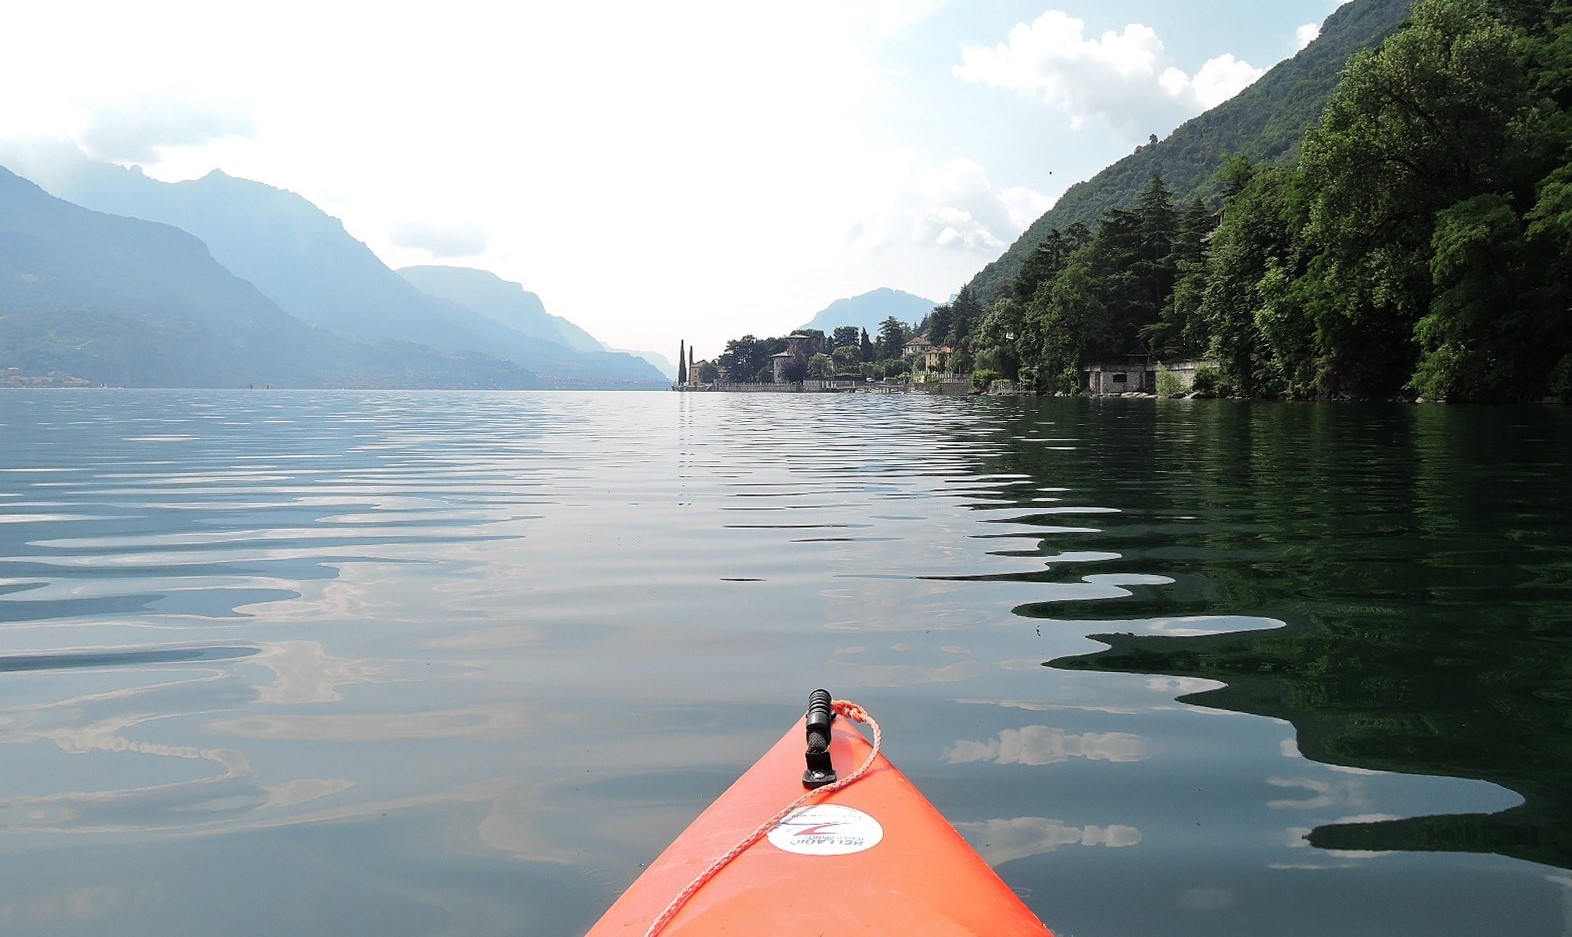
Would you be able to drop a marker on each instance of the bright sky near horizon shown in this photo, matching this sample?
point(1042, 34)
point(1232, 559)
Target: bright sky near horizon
point(696, 170)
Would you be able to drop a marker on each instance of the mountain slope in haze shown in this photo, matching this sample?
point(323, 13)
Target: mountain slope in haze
point(558, 346)
point(125, 301)
point(869, 309)
point(655, 360)
point(501, 300)
point(296, 254)
point(1264, 122)
point(306, 261)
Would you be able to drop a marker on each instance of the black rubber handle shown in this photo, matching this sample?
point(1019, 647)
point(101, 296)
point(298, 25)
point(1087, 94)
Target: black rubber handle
point(820, 771)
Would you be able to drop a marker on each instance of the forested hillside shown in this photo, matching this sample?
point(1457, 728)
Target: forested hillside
point(1265, 123)
point(1420, 244)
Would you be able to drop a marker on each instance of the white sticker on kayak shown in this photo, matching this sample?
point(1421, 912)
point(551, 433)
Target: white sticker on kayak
point(827, 830)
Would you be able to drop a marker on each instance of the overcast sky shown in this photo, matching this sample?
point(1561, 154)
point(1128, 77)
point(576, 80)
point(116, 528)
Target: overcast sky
point(656, 171)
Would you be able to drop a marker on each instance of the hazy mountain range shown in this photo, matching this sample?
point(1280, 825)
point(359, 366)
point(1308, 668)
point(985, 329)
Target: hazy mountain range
point(442, 326)
point(130, 302)
point(221, 281)
point(870, 309)
point(502, 301)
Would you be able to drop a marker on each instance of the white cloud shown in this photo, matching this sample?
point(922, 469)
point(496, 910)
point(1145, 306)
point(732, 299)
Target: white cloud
point(49, 161)
point(1053, 58)
point(137, 129)
point(1218, 80)
point(1118, 78)
point(954, 206)
point(1025, 205)
point(1310, 32)
point(891, 17)
point(439, 239)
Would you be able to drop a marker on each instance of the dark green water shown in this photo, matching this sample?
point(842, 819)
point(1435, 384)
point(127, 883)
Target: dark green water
point(460, 663)
point(1419, 559)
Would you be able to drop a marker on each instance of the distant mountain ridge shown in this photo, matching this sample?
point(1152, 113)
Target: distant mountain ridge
point(557, 347)
point(500, 300)
point(1264, 122)
point(869, 309)
point(656, 360)
point(304, 260)
point(130, 302)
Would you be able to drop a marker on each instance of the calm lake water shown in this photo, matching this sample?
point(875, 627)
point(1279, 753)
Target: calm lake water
point(446, 663)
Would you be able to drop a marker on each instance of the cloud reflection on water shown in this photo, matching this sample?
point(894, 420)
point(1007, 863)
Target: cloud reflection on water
point(478, 723)
point(853, 673)
point(73, 907)
point(897, 675)
point(1324, 794)
point(111, 722)
point(1046, 745)
point(306, 673)
point(1000, 841)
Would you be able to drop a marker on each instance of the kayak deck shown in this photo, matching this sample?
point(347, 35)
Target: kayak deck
point(874, 857)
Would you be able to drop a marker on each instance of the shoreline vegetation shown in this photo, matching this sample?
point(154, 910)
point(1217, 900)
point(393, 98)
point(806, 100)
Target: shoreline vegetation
point(1417, 247)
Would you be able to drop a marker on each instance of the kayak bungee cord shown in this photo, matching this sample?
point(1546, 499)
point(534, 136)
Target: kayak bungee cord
point(895, 864)
point(819, 780)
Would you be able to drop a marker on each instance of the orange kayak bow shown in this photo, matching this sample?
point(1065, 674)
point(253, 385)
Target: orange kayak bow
point(863, 853)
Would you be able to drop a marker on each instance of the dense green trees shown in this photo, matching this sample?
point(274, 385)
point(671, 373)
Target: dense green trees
point(953, 325)
point(1250, 255)
point(893, 336)
point(1265, 123)
point(846, 352)
point(746, 357)
point(1432, 156)
point(1084, 296)
point(1415, 127)
point(845, 336)
point(1419, 245)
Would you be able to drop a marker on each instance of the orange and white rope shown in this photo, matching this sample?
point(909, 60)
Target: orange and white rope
point(844, 708)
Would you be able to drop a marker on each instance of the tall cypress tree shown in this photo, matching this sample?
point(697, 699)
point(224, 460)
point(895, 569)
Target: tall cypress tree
point(682, 363)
